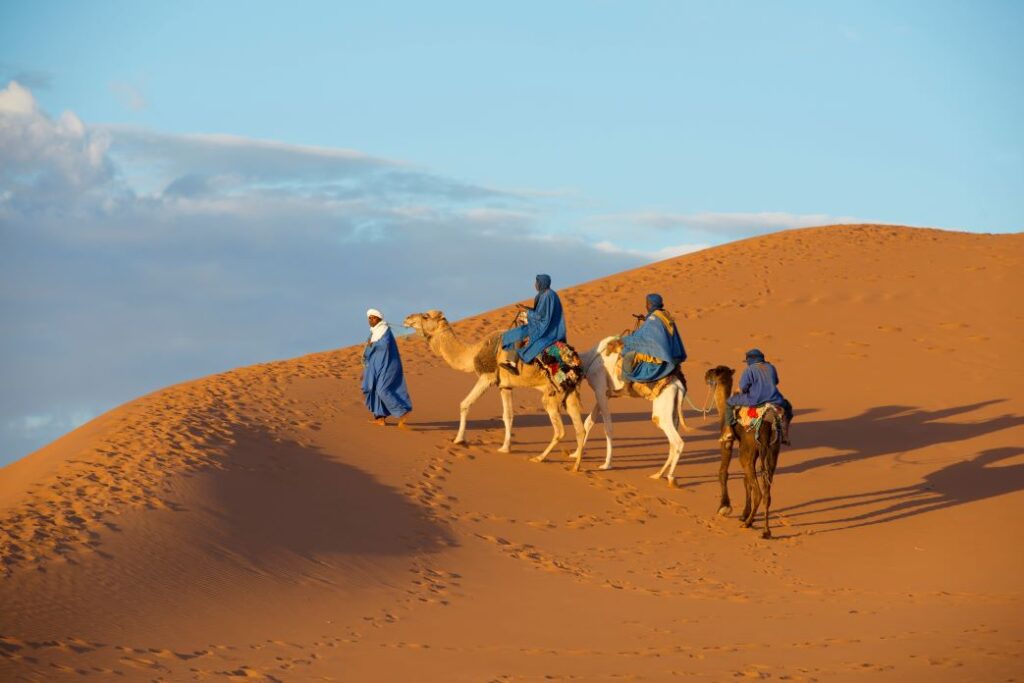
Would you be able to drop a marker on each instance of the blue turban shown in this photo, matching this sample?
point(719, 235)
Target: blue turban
point(754, 356)
point(654, 303)
point(543, 282)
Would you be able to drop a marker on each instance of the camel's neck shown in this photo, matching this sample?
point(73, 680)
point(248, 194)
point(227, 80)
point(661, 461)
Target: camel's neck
point(456, 354)
point(722, 390)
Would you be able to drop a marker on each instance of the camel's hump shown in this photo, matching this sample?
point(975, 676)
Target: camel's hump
point(486, 359)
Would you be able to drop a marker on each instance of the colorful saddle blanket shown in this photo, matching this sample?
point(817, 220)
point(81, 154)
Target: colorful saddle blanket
point(563, 365)
point(752, 417)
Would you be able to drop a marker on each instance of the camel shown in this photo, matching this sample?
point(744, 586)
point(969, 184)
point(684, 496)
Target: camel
point(762, 446)
point(481, 358)
point(601, 367)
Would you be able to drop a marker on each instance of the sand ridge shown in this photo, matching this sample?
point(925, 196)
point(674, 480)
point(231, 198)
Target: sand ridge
point(252, 525)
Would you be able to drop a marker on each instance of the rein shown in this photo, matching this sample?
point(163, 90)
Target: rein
point(707, 399)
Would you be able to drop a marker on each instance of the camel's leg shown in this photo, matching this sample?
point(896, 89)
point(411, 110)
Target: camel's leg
point(725, 444)
point(675, 449)
point(600, 387)
point(506, 417)
point(478, 389)
point(606, 414)
point(748, 480)
point(572, 406)
point(588, 424)
point(674, 403)
point(664, 416)
point(768, 476)
point(656, 419)
point(750, 475)
point(551, 406)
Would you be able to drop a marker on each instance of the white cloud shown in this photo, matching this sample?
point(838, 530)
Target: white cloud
point(49, 424)
point(43, 160)
point(723, 225)
point(658, 254)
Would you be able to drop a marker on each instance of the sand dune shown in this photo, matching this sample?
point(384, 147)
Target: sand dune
point(252, 525)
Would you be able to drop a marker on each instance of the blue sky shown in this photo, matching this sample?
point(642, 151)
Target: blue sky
point(234, 182)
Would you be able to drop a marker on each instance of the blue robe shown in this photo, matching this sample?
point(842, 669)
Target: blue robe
point(383, 380)
point(545, 325)
point(758, 384)
point(659, 347)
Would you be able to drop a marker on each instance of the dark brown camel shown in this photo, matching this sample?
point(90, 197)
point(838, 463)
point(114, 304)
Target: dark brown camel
point(762, 446)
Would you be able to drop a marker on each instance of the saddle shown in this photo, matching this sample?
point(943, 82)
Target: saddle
point(752, 417)
point(562, 365)
point(648, 390)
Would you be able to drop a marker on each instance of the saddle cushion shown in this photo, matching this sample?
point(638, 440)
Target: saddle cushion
point(562, 364)
point(752, 417)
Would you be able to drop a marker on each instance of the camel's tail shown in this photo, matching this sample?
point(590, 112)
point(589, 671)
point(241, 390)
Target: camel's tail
point(680, 396)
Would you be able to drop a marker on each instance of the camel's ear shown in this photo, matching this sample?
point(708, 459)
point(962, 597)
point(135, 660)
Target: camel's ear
point(434, 313)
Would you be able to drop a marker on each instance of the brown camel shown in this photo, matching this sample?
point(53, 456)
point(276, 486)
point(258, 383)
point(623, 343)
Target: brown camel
point(762, 447)
point(481, 358)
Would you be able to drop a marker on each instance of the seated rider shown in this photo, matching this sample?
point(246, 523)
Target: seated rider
point(759, 384)
point(545, 325)
point(655, 350)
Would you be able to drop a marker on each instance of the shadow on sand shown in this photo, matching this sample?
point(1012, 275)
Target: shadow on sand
point(280, 496)
point(968, 481)
point(893, 430)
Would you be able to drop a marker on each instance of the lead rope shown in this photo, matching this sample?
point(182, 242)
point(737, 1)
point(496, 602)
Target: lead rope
point(707, 398)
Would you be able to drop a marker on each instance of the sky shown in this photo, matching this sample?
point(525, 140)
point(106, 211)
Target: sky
point(192, 186)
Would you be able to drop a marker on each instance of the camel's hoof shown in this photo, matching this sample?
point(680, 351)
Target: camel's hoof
point(745, 525)
point(536, 458)
point(605, 466)
point(725, 511)
point(504, 449)
point(654, 476)
point(767, 533)
point(459, 443)
point(672, 483)
point(576, 468)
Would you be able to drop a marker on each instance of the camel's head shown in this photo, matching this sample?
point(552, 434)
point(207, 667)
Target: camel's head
point(427, 324)
point(719, 375)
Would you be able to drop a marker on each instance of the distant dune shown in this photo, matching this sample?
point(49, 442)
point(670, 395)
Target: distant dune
point(252, 525)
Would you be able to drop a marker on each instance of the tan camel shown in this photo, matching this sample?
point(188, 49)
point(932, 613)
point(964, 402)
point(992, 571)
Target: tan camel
point(761, 448)
point(481, 358)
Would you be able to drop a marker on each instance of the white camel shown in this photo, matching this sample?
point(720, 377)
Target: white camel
point(481, 358)
point(600, 365)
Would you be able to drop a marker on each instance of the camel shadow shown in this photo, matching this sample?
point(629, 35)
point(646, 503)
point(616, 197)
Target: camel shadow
point(884, 430)
point(967, 481)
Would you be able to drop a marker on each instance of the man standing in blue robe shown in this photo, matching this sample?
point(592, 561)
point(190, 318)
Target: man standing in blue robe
point(545, 325)
point(759, 384)
point(383, 380)
point(655, 350)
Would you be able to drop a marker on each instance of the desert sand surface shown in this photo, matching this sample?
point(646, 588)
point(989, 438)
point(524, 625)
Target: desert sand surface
point(253, 526)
